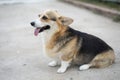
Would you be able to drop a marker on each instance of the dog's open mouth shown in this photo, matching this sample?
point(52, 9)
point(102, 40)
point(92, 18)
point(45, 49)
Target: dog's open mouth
point(41, 29)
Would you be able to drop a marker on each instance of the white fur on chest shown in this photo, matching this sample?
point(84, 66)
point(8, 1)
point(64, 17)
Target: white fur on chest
point(46, 36)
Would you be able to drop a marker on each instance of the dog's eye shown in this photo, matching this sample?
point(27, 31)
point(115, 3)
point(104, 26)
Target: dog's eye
point(44, 17)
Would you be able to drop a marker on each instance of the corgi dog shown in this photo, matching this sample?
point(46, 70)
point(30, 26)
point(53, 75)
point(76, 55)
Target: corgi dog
point(68, 46)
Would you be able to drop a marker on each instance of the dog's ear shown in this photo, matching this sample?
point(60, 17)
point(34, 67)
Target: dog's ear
point(65, 20)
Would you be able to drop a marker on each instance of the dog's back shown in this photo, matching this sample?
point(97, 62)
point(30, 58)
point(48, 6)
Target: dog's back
point(92, 47)
point(83, 48)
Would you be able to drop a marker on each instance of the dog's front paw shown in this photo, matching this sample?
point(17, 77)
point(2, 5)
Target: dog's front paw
point(61, 70)
point(52, 64)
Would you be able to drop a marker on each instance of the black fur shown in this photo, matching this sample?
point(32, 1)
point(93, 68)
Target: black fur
point(44, 28)
point(90, 45)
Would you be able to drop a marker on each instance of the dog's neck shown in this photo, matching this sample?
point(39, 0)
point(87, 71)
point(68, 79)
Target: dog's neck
point(55, 30)
point(50, 32)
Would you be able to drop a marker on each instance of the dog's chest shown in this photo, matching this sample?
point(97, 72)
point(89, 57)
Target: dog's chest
point(52, 50)
point(49, 48)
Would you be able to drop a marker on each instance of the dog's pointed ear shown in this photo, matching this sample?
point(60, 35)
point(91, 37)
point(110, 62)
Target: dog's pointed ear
point(66, 21)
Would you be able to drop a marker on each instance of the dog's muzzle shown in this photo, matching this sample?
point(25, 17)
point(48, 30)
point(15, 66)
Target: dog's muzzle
point(39, 29)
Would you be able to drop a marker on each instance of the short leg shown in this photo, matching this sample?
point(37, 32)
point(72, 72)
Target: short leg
point(84, 67)
point(52, 64)
point(64, 66)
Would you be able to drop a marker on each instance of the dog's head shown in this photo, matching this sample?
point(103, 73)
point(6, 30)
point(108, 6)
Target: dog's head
point(50, 19)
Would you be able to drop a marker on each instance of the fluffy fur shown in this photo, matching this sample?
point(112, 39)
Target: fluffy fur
point(70, 46)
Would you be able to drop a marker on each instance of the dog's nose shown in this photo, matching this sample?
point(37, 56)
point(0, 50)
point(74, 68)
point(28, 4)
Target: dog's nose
point(32, 23)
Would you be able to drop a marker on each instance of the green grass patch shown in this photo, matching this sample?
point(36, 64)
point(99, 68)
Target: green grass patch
point(110, 5)
point(116, 19)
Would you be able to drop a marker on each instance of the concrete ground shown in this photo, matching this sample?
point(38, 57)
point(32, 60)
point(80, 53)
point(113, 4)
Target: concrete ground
point(21, 53)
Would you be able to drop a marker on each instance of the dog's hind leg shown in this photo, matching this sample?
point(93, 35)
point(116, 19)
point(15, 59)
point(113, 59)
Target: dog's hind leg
point(103, 60)
point(100, 61)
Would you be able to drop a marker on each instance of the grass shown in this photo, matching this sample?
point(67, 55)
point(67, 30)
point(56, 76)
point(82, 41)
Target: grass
point(116, 18)
point(110, 5)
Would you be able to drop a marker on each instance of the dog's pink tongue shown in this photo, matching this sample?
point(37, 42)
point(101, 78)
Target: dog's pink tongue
point(36, 31)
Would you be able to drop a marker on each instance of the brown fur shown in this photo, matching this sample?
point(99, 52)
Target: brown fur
point(69, 52)
point(103, 60)
point(57, 34)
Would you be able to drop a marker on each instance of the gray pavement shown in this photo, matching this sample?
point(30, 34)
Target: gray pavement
point(21, 53)
point(111, 13)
